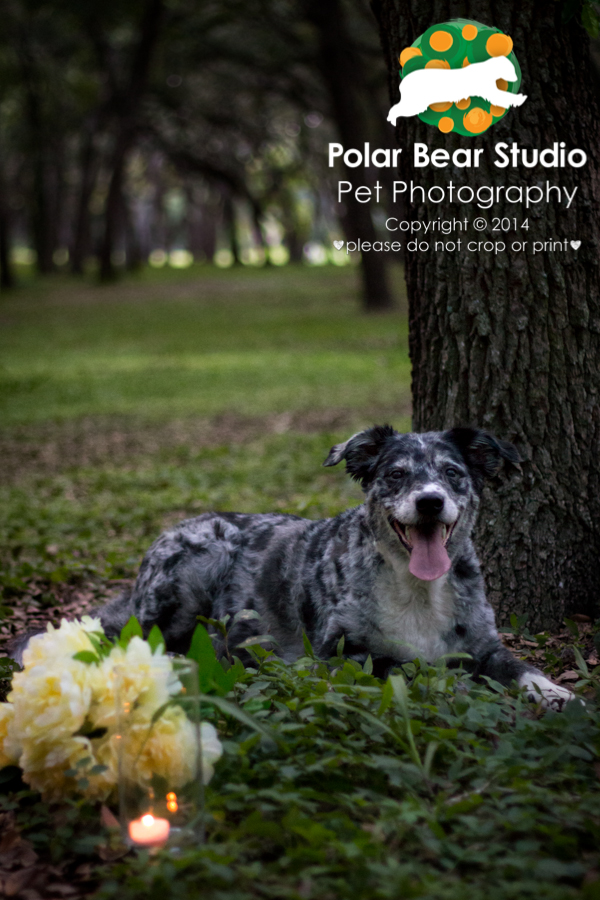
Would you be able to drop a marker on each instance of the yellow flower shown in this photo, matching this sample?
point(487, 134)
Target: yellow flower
point(51, 699)
point(9, 749)
point(62, 642)
point(56, 701)
point(45, 765)
point(167, 747)
point(141, 677)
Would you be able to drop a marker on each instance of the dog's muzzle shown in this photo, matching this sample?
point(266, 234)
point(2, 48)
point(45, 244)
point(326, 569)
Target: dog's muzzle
point(426, 544)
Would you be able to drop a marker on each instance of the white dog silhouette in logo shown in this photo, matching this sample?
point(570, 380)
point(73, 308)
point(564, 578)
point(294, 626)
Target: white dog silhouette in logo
point(421, 88)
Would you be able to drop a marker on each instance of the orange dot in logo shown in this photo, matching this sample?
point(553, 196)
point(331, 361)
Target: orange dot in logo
point(477, 120)
point(466, 62)
point(499, 45)
point(446, 124)
point(440, 41)
point(440, 107)
point(409, 53)
point(437, 64)
point(501, 84)
point(469, 32)
point(464, 104)
point(496, 110)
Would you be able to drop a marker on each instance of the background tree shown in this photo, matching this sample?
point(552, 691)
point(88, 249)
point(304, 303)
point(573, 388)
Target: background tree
point(125, 122)
point(343, 72)
point(512, 342)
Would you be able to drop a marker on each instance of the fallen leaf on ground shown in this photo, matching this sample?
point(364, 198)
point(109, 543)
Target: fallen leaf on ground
point(569, 675)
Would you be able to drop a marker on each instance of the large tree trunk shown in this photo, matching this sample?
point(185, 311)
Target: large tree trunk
point(512, 341)
point(340, 69)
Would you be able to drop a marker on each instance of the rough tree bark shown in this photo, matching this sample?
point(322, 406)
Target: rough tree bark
point(511, 342)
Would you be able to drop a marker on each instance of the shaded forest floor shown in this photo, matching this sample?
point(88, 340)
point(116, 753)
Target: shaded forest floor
point(128, 409)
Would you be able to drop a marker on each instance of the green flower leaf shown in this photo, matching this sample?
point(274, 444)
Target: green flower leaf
point(86, 656)
point(131, 629)
point(155, 638)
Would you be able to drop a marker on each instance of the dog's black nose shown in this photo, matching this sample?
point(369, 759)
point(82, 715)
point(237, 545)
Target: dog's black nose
point(430, 504)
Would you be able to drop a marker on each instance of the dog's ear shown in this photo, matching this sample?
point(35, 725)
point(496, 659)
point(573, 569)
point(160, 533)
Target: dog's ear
point(361, 452)
point(482, 452)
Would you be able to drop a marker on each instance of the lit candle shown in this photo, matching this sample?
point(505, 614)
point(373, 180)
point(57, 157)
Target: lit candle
point(149, 831)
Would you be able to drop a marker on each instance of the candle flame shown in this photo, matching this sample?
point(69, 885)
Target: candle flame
point(148, 820)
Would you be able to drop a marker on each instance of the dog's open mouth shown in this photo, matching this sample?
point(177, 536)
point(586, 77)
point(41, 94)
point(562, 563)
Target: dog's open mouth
point(427, 547)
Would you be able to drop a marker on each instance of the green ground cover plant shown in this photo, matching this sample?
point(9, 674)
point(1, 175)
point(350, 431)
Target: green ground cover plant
point(128, 409)
point(426, 785)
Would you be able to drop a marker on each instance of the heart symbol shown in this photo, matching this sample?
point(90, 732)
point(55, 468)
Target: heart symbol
point(575, 245)
point(338, 245)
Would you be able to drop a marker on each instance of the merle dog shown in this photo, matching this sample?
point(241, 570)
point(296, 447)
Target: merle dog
point(398, 576)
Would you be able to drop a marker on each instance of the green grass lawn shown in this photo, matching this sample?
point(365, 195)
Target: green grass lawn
point(252, 341)
point(128, 408)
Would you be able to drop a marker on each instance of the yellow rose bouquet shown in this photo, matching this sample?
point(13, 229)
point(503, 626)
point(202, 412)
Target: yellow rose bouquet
point(60, 722)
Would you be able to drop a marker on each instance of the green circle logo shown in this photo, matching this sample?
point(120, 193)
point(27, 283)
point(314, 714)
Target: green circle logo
point(454, 45)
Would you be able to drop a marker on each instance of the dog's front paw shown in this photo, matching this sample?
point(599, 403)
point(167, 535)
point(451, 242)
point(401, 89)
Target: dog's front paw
point(556, 698)
point(540, 689)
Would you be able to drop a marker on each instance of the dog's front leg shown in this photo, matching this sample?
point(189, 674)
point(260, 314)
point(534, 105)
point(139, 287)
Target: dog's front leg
point(329, 646)
point(355, 650)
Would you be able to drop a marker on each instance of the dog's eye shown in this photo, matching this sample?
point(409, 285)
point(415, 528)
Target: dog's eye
point(451, 472)
point(397, 474)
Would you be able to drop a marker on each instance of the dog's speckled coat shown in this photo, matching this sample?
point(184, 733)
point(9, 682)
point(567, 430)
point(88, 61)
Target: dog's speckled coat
point(348, 575)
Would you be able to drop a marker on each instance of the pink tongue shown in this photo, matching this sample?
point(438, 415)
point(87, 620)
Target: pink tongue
point(428, 558)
